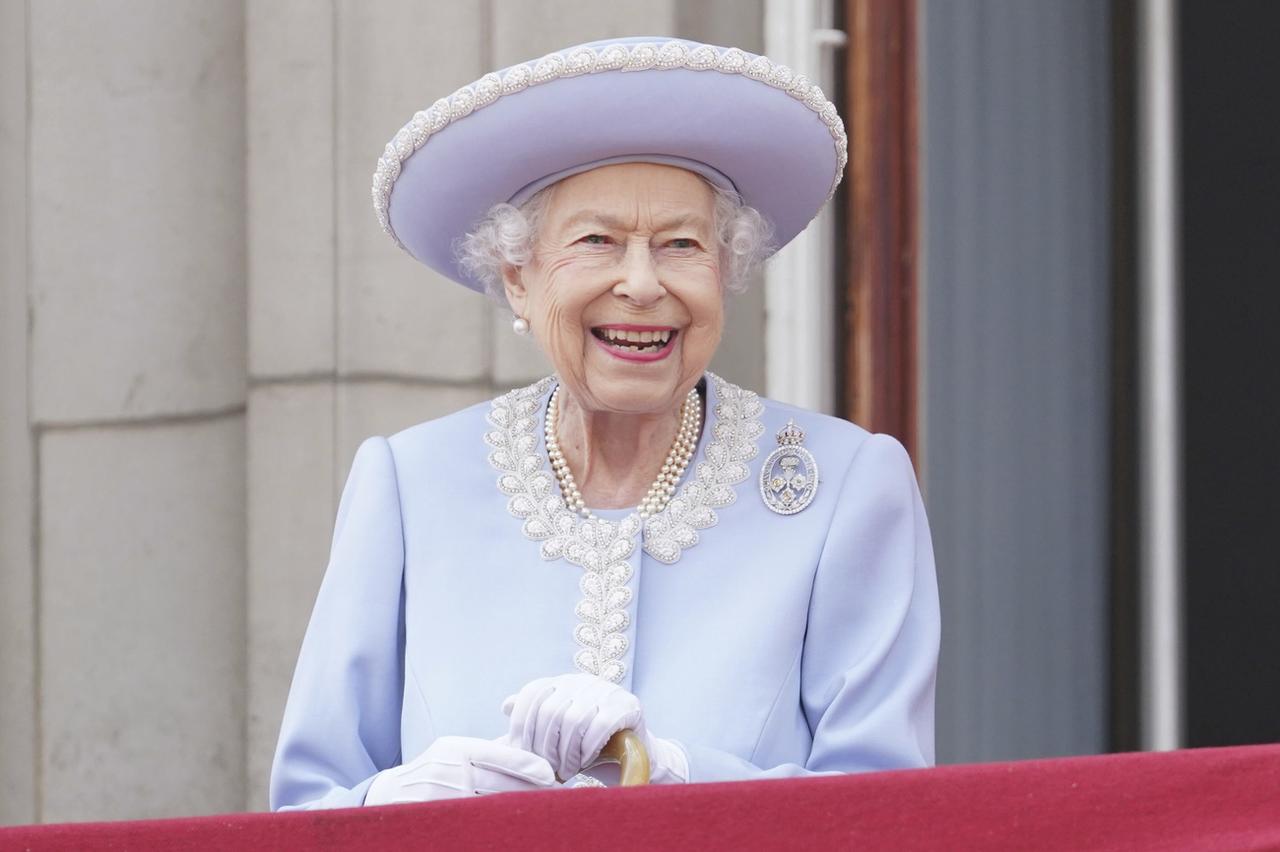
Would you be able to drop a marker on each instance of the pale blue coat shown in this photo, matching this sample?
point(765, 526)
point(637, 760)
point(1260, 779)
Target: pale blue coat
point(774, 646)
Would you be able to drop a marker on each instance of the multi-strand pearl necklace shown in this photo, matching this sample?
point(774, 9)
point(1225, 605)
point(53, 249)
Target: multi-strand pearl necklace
point(663, 487)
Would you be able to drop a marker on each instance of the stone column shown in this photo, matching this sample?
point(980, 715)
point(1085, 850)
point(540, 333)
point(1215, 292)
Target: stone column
point(348, 336)
point(17, 442)
point(290, 122)
point(135, 211)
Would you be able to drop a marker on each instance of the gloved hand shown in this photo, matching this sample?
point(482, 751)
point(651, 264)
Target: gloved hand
point(453, 767)
point(567, 719)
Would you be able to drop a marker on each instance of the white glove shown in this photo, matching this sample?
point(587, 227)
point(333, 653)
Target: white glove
point(453, 767)
point(567, 719)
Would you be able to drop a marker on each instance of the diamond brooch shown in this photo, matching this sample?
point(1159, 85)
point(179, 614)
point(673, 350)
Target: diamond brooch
point(789, 476)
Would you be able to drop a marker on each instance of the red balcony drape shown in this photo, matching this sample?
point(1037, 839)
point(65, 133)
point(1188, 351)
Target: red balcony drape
point(1196, 799)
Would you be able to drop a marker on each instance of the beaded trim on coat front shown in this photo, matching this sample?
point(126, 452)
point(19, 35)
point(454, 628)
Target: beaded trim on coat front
point(603, 548)
point(585, 59)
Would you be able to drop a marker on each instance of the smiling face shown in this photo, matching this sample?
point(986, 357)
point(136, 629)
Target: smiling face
point(623, 291)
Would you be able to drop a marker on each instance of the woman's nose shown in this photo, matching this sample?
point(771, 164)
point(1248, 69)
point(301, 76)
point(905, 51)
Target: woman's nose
point(639, 282)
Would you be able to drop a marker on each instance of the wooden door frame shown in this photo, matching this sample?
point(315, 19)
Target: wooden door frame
point(880, 355)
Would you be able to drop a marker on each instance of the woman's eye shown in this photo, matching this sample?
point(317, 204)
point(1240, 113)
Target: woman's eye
point(683, 243)
point(595, 240)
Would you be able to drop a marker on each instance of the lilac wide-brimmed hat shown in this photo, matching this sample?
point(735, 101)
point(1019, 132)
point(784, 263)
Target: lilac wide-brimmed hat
point(739, 120)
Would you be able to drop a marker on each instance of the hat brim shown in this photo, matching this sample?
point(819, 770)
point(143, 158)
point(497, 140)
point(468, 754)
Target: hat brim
point(776, 144)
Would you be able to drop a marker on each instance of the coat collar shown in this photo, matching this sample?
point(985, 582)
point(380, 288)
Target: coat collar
point(729, 442)
point(603, 548)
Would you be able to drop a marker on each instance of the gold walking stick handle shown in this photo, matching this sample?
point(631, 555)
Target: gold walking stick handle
point(627, 750)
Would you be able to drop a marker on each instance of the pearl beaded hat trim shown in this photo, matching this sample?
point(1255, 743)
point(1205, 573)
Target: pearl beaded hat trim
point(736, 118)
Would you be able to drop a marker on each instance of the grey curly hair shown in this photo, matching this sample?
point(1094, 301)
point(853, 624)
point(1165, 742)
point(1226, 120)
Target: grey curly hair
point(505, 236)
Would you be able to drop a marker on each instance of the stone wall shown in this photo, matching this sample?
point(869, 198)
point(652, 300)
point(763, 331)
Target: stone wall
point(199, 322)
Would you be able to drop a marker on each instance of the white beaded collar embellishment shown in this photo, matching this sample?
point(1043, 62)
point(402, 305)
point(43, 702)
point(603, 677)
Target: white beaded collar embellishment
point(643, 56)
point(600, 547)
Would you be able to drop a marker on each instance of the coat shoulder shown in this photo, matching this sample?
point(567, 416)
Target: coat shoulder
point(836, 443)
point(434, 442)
point(833, 438)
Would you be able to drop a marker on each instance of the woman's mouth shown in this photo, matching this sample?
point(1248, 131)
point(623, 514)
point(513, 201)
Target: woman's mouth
point(635, 343)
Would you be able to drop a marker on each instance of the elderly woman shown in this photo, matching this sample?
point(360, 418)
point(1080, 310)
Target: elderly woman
point(633, 542)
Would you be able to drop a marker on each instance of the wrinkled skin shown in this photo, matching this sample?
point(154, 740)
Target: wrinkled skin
point(632, 243)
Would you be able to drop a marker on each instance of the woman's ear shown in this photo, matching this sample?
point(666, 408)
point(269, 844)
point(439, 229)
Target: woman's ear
point(513, 286)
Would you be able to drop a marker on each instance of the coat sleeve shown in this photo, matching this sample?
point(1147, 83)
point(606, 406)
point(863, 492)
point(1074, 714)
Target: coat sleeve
point(869, 662)
point(342, 720)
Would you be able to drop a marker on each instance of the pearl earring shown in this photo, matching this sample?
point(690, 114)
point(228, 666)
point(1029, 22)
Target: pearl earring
point(520, 326)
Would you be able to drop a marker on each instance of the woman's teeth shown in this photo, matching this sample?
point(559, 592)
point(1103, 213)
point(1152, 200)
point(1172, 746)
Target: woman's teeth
point(635, 341)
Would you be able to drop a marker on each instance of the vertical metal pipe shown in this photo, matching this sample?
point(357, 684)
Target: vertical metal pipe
point(1160, 404)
